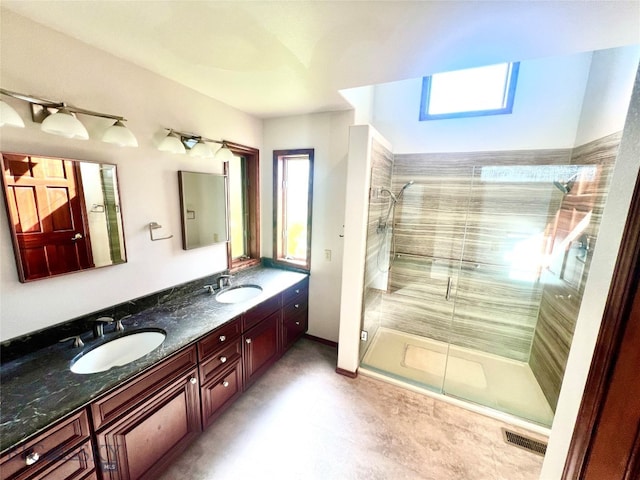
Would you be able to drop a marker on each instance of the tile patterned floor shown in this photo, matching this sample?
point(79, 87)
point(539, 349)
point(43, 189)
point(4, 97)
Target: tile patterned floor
point(303, 421)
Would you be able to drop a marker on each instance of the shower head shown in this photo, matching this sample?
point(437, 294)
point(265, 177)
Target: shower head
point(565, 187)
point(404, 187)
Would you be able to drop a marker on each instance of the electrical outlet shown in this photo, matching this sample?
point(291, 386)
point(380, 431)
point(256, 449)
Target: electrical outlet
point(327, 255)
point(364, 335)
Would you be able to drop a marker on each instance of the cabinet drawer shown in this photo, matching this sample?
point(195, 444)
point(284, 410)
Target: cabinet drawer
point(298, 292)
point(294, 309)
point(47, 447)
point(260, 312)
point(220, 336)
point(294, 328)
point(73, 465)
point(220, 393)
point(136, 391)
point(220, 360)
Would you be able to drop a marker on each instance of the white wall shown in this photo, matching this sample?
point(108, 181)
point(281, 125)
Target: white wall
point(546, 111)
point(327, 134)
point(606, 252)
point(355, 233)
point(40, 61)
point(606, 99)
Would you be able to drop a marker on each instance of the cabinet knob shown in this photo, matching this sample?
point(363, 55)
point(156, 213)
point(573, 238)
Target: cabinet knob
point(297, 305)
point(248, 340)
point(223, 359)
point(297, 290)
point(31, 458)
point(225, 384)
point(222, 338)
point(193, 380)
point(297, 323)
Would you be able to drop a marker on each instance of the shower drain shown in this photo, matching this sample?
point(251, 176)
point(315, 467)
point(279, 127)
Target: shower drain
point(526, 443)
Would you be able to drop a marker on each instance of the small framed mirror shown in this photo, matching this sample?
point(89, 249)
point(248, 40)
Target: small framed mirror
point(64, 214)
point(203, 202)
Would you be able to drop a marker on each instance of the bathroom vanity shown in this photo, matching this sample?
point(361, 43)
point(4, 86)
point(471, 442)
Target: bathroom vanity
point(130, 422)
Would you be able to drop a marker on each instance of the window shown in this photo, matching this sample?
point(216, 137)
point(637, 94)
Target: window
point(292, 200)
point(471, 92)
point(243, 249)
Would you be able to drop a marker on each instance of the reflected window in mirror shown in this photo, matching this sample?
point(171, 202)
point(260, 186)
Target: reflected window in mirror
point(64, 215)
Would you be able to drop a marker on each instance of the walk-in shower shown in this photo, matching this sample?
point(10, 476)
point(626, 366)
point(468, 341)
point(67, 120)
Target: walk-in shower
point(474, 280)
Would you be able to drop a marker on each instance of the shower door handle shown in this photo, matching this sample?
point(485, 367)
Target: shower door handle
point(447, 296)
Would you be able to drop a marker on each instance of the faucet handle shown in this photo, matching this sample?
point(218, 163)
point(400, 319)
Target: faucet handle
point(104, 320)
point(119, 326)
point(77, 341)
point(209, 288)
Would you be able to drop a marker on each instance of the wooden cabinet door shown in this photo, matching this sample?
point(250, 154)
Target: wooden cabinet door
point(260, 348)
point(46, 204)
point(142, 443)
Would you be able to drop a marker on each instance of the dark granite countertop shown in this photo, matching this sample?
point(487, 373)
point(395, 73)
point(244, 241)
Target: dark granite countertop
point(39, 388)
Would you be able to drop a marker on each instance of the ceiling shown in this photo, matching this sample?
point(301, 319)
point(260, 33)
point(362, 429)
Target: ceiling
point(275, 58)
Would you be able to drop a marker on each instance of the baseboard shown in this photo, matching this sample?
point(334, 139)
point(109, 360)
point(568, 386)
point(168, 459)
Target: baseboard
point(320, 340)
point(346, 373)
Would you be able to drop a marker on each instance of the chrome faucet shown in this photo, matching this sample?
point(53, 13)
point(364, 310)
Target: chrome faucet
point(98, 326)
point(224, 281)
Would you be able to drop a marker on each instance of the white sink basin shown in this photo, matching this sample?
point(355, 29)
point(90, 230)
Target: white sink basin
point(118, 352)
point(237, 294)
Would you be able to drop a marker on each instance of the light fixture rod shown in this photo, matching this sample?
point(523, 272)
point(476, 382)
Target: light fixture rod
point(194, 136)
point(51, 104)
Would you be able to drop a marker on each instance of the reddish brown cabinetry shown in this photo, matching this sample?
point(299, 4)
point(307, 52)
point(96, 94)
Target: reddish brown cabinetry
point(220, 355)
point(294, 313)
point(261, 347)
point(158, 416)
point(62, 452)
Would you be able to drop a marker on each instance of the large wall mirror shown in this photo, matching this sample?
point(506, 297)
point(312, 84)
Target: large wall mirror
point(64, 215)
point(203, 201)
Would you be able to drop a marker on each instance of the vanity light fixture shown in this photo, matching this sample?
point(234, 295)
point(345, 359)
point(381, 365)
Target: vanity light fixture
point(9, 117)
point(224, 154)
point(172, 143)
point(201, 150)
point(60, 119)
point(196, 145)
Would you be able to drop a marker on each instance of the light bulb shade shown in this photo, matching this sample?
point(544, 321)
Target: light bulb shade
point(201, 150)
point(9, 117)
point(119, 134)
point(224, 154)
point(64, 124)
point(171, 144)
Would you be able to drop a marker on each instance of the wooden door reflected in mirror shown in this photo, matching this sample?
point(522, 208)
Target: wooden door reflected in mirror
point(64, 215)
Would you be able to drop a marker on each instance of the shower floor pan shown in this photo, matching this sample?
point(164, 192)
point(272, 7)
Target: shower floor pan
point(499, 383)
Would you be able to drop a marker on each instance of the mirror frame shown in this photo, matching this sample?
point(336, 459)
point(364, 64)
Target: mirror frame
point(79, 220)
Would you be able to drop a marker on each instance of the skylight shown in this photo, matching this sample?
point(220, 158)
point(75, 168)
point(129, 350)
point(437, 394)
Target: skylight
point(471, 92)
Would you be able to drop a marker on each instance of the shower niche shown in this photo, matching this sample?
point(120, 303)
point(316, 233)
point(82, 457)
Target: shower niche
point(473, 287)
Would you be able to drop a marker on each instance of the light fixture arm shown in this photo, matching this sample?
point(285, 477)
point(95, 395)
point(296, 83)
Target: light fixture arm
point(44, 105)
point(192, 136)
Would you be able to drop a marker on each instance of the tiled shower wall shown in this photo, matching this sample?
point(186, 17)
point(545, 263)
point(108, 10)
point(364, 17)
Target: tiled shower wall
point(451, 213)
point(375, 268)
point(561, 299)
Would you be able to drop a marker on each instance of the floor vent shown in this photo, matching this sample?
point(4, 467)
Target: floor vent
point(526, 443)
